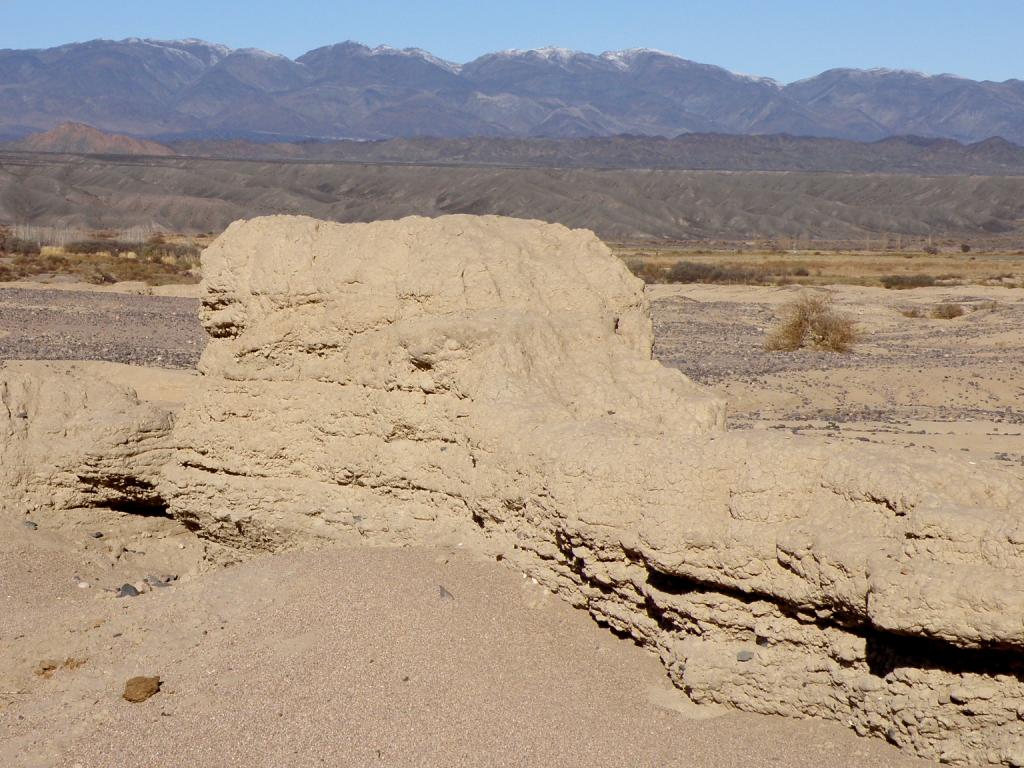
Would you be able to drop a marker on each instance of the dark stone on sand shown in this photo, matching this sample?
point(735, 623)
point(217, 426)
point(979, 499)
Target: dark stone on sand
point(138, 689)
point(127, 590)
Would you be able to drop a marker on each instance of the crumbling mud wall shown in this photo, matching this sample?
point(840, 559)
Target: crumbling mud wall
point(71, 441)
point(400, 381)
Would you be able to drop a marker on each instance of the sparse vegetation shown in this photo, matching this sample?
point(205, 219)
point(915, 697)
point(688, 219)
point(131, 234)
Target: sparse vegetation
point(811, 321)
point(111, 247)
point(103, 257)
point(696, 272)
point(912, 312)
point(722, 274)
point(12, 244)
point(902, 282)
point(946, 311)
point(728, 262)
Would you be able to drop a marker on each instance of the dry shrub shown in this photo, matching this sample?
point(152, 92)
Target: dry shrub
point(947, 311)
point(646, 271)
point(94, 247)
point(96, 268)
point(696, 272)
point(901, 282)
point(11, 244)
point(912, 312)
point(810, 321)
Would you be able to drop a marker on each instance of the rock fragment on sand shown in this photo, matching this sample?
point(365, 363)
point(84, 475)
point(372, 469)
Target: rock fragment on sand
point(138, 689)
point(128, 590)
point(160, 582)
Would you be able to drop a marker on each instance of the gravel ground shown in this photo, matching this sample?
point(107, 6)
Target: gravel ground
point(117, 327)
point(713, 341)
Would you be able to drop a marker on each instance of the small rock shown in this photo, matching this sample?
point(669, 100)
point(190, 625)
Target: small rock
point(445, 594)
point(959, 695)
point(30, 525)
point(156, 581)
point(744, 656)
point(98, 535)
point(84, 585)
point(127, 590)
point(138, 689)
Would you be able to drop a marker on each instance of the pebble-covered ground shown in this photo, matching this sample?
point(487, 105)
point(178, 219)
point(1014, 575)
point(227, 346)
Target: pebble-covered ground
point(912, 380)
point(84, 325)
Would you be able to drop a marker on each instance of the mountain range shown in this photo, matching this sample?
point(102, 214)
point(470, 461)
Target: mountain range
point(169, 90)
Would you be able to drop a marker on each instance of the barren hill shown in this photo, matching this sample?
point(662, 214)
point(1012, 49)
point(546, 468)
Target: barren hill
point(79, 138)
point(196, 195)
point(691, 152)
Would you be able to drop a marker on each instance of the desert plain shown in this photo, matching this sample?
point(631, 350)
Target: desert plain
point(441, 653)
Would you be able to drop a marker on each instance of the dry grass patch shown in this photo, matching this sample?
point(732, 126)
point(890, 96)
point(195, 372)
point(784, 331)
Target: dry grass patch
point(811, 322)
point(903, 282)
point(100, 260)
point(96, 268)
point(946, 311)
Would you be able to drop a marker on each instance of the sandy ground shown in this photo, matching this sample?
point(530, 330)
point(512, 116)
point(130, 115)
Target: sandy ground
point(384, 657)
point(432, 656)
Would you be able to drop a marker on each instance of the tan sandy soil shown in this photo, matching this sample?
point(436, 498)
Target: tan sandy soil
point(358, 657)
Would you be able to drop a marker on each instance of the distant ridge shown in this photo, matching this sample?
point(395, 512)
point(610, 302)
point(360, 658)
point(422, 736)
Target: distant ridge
point(349, 90)
point(694, 152)
point(78, 138)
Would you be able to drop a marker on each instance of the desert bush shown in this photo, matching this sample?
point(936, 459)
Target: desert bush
point(801, 272)
point(696, 272)
point(912, 312)
point(931, 250)
point(901, 282)
point(946, 311)
point(810, 321)
point(965, 248)
point(11, 244)
point(171, 253)
point(645, 270)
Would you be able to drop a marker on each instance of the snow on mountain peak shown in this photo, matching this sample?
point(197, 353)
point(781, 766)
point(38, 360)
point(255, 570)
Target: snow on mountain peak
point(417, 53)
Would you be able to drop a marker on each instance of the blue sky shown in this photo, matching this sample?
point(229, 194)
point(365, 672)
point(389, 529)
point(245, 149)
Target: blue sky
point(784, 39)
